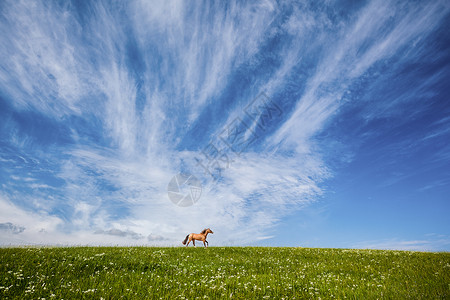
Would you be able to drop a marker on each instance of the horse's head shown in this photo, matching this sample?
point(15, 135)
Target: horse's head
point(209, 230)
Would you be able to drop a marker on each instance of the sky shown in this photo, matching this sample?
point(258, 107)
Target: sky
point(298, 123)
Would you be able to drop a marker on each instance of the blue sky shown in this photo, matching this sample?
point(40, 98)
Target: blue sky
point(340, 108)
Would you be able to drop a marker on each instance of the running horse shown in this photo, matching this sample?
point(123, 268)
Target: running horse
point(198, 236)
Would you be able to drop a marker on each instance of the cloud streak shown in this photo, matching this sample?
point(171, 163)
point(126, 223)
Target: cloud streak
point(431, 242)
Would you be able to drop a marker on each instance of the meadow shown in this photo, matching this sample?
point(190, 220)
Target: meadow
point(221, 272)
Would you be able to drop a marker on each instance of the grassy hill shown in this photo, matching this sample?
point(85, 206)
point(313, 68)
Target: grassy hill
point(218, 272)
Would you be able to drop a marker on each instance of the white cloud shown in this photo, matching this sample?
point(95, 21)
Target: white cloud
point(357, 48)
point(45, 69)
point(11, 228)
point(199, 45)
point(31, 222)
point(431, 242)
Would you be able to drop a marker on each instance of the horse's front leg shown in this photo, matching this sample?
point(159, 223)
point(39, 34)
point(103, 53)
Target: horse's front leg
point(204, 243)
point(207, 244)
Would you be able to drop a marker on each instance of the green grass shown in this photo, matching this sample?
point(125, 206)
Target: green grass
point(232, 272)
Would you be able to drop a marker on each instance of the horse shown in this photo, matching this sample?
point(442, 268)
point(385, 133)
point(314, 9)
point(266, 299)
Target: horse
point(197, 236)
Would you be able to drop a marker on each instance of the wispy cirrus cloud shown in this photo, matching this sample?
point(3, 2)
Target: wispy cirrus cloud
point(379, 32)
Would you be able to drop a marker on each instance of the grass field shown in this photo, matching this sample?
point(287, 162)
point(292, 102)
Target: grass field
point(221, 272)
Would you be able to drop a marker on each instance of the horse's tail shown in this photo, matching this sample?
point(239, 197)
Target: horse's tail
point(185, 240)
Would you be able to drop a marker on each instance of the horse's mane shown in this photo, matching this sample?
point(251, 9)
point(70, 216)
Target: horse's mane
point(204, 230)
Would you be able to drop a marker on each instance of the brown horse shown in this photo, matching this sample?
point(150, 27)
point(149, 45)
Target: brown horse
point(197, 236)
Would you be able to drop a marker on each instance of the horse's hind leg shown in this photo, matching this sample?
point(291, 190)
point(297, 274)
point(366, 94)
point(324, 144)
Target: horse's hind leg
point(193, 242)
point(188, 242)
